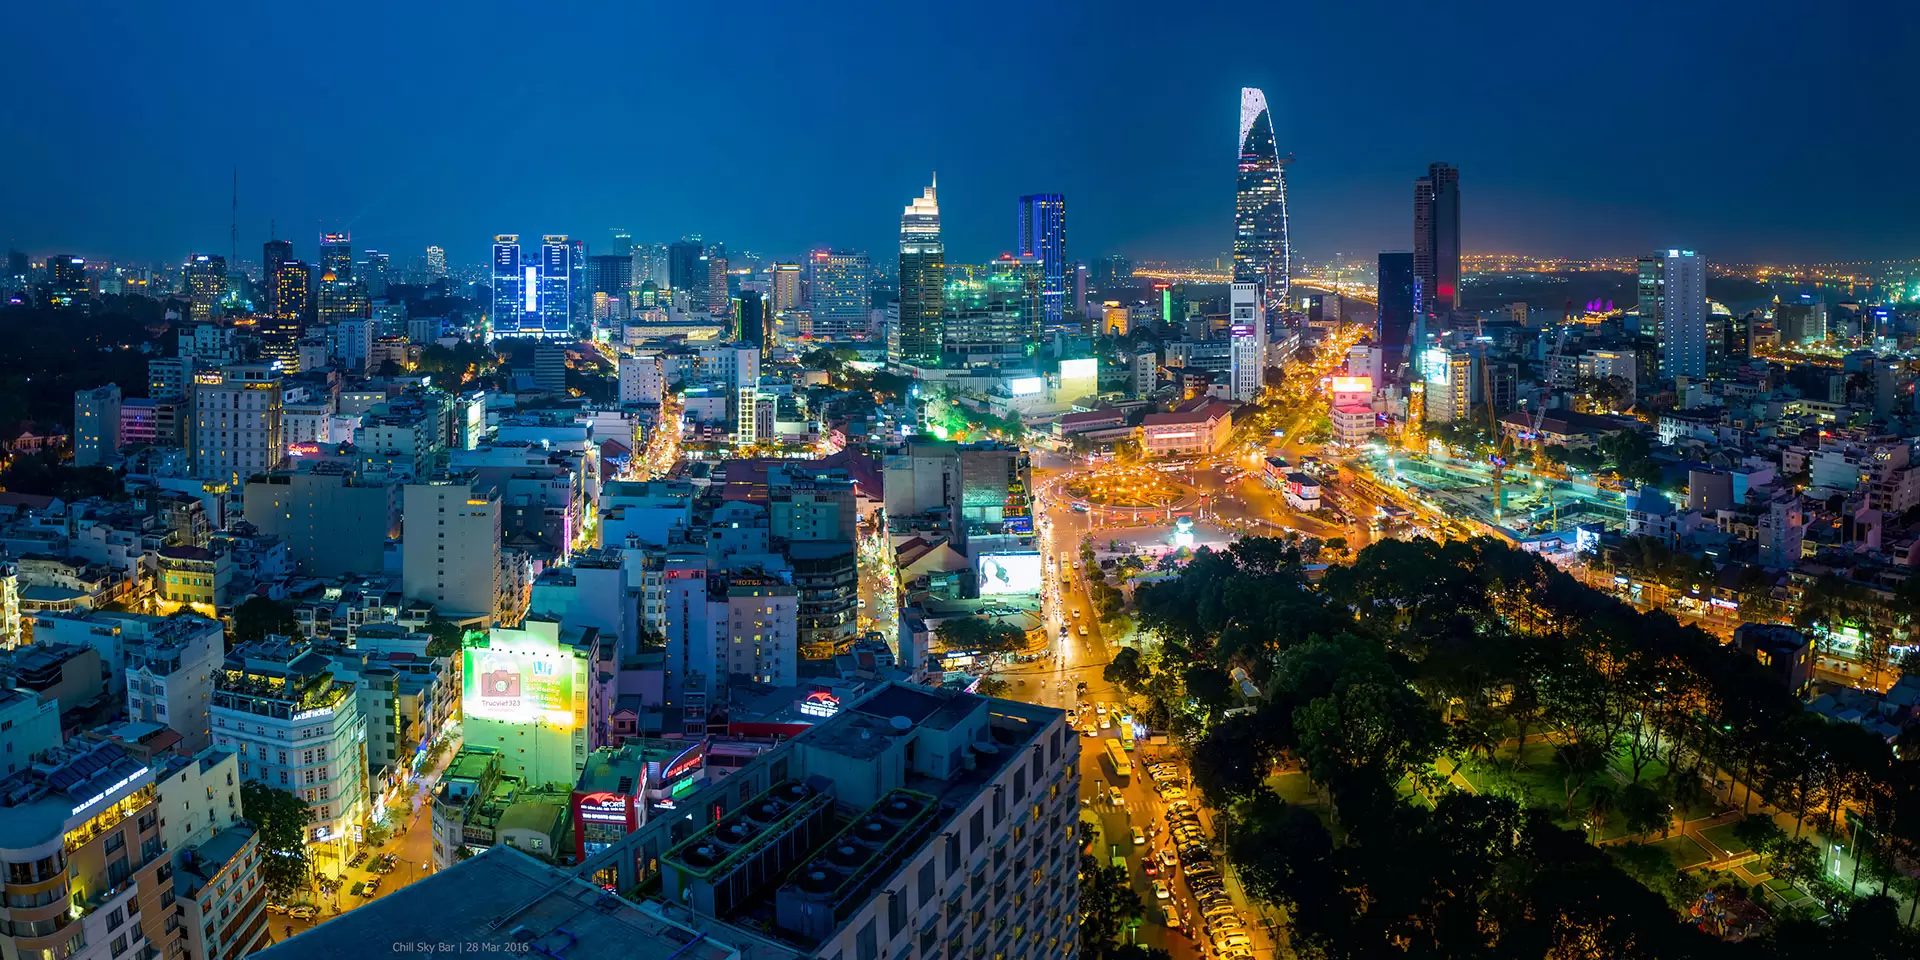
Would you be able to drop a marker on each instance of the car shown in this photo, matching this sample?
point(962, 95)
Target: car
point(1167, 858)
point(1083, 629)
point(370, 887)
point(1173, 793)
point(279, 908)
point(1105, 722)
point(1150, 866)
point(1232, 940)
point(305, 911)
point(1172, 919)
point(1160, 890)
point(1227, 924)
point(1113, 796)
point(1076, 613)
point(1100, 708)
point(1090, 730)
point(1138, 837)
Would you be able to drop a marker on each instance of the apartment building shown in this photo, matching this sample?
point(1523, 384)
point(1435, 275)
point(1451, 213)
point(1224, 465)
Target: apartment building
point(295, 727)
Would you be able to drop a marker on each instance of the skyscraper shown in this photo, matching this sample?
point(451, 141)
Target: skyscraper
point(755, 326)
point(1436, 237)
point(923, 277)
point(1043, 236)
point(611, 274)
point(718, 302)
point(436, 262)
point(683, 262)
point(838, 292)
point(1260, 242)
point(206, 284)
point(1673, 310)
point(991, 314)
point(622, 243)
point(511, 297)
point(273, 253)
point(280, 332)
point(373, 273)
point(1399, 304)
point(1247, 348)
point(556, 286)
point(786, 287)
point(336, 255)
point(67, 276)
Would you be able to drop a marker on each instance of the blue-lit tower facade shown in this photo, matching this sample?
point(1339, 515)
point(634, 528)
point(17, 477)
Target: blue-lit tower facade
point(1043, 236)
point(532, 297)
point(509, 294)
point(1260, 246)
point(556, 287)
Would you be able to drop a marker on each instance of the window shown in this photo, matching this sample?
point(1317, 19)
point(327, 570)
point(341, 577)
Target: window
point(115, 919)
point(926, 883)
point(976, 830)
point(953, 854)
point(119, 945)
point(868, 945)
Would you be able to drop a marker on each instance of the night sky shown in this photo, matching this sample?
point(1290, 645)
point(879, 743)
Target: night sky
point(1757, 130)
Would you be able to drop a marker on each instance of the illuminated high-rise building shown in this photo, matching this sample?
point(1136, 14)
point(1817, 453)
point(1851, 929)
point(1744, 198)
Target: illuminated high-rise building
point(372, 273)
point(1674, 312)
point(1043, 236)
point(67, 279)
point(1247, 356)
point(273, 253)
point(786, 287)
point(1399, 304)
point(610, 274)
point(436, 262)
point(838, 293)
point(336, 255)
point(718, 301)
point(206, 284)
point(1436, 237)
point(923, 274)
point(290, 289)
point(622, 243)
point(683, 263)
point(1261, 248)
point(556, 287)
point(991, 314)
point(650, 264)
point(513, 298)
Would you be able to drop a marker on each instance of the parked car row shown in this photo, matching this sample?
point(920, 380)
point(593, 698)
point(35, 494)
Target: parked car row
point(1220, 919)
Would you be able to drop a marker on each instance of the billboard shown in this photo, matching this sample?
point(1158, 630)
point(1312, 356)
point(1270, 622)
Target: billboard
point(1026, 386)
point(1009, 573)
point(1086, 368)
point(1353, 385)
point(518, 686)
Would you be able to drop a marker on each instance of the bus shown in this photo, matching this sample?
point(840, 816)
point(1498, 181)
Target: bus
point(1117, 759)
point(1126, 733)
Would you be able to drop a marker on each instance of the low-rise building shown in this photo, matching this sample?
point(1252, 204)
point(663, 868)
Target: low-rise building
point(1198, 428)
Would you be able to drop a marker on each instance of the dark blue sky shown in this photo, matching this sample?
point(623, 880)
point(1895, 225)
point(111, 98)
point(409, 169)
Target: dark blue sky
point(1748, 130)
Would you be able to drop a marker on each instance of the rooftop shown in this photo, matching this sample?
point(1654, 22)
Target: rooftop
point(506, 899)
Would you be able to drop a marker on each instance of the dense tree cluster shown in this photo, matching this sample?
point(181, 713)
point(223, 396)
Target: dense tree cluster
point(1421, 656)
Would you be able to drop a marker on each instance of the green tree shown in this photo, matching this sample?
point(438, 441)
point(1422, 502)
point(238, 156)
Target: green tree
point(445, 638)
point(257, 617)
point(1107, 906)
point(982, 634)
point(1125, 670)
point(281, 819)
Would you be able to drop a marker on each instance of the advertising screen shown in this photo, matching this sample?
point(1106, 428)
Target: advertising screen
point(513, 686)
point(1009, 573)
point(1026, 386)
point(1083, 369)
point(1352, 384)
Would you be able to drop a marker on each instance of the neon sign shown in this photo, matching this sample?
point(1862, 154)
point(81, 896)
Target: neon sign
point(684, 763)
point(102, 795)
point(820, 703)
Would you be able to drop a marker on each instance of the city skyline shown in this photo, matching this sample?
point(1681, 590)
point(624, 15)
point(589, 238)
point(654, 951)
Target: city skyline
point(394, 169)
